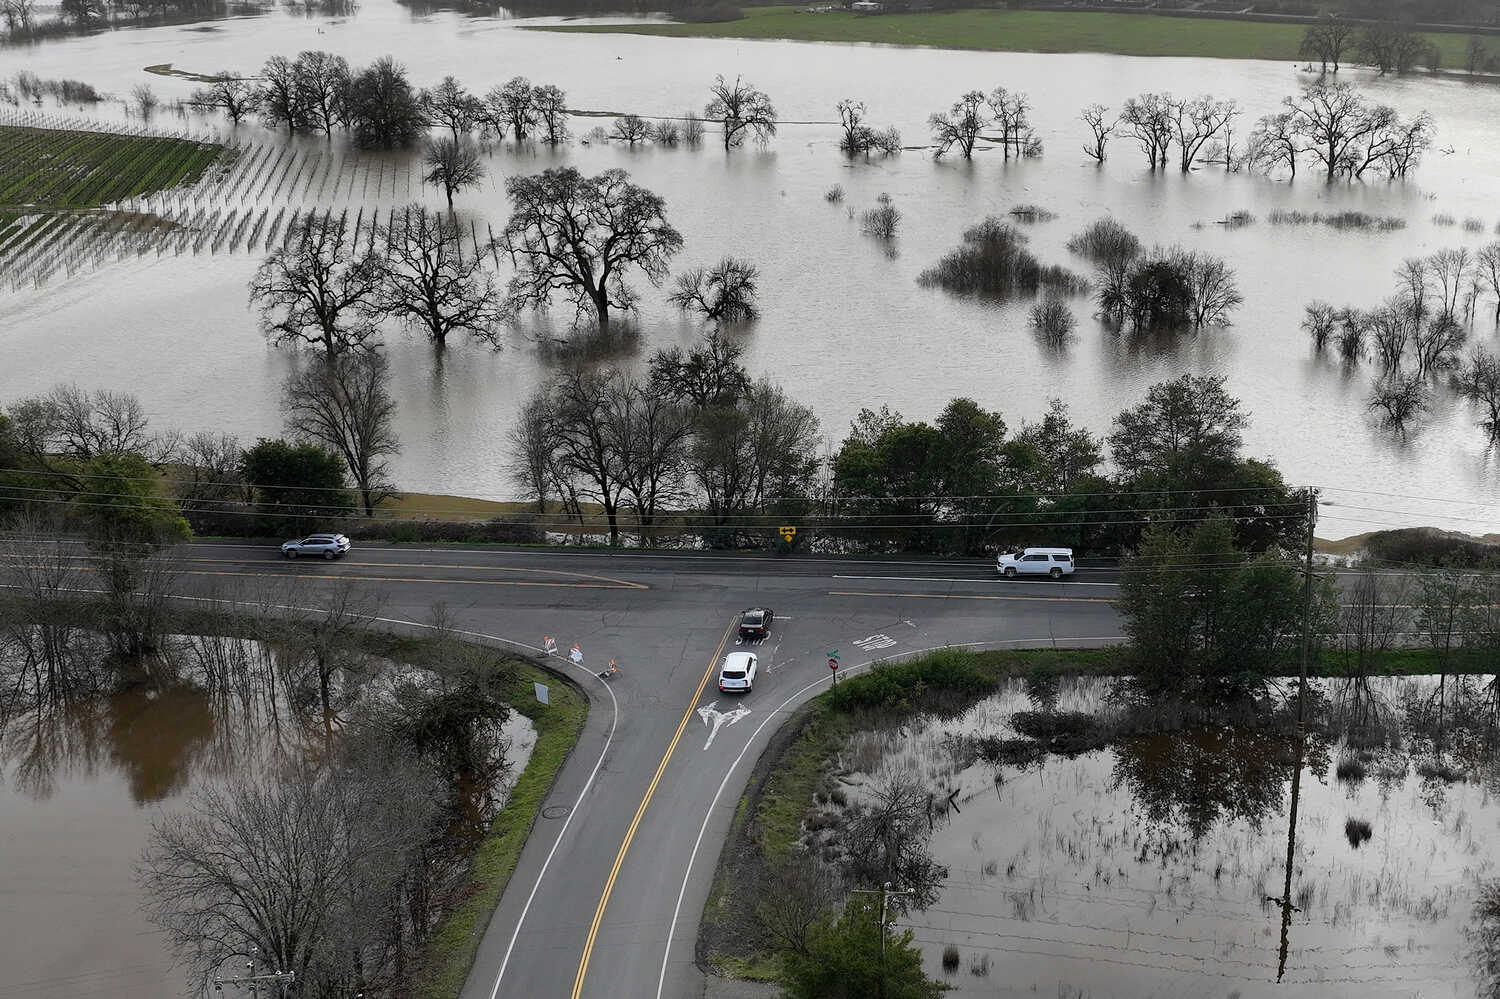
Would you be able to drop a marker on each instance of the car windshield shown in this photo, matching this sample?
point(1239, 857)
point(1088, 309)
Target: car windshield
point(734, 674)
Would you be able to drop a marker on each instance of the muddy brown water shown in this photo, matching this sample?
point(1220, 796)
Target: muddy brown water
point(845, 324)
point(79, 790)
point(1155, 867)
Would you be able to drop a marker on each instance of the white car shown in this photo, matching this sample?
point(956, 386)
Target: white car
point(738, 673)
point(330, 546)
point(1054, 562)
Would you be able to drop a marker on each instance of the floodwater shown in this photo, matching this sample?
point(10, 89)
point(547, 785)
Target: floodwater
point(845, 325)
point(1155, 867)
point(79, 790)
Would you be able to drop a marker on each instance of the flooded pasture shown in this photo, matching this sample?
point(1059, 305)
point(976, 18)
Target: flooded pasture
point(1157, 866)
point(81, 784)
point(843, 316)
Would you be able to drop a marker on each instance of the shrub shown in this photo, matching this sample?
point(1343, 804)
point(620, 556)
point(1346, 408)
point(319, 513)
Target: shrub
point(993, 260)
point(950, 959)
point(1105, 240)
point(1052, 320)
point(1032, 213)
point(834, 194)
point(883, 220)
point(1357, 831)
point(910, 685)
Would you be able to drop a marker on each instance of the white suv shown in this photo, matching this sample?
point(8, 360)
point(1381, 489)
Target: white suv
point(330, 546)
point(1054, 562)
point(738, 673)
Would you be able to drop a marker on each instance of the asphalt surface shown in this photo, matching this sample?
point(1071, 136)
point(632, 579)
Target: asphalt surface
point(609, 889)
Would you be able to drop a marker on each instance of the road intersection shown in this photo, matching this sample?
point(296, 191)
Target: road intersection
point(607, 895)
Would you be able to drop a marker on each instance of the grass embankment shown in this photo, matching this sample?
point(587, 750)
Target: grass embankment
point(795, 768)
point(54, 170)
point(558, 726)
point(1017, 31)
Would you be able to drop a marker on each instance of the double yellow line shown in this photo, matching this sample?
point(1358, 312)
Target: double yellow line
point(614, 871)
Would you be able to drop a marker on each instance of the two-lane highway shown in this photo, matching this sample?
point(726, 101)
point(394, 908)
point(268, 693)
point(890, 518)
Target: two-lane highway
point(607, 895)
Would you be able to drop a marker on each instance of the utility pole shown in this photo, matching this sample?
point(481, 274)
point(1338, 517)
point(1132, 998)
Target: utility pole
point(1307, 595)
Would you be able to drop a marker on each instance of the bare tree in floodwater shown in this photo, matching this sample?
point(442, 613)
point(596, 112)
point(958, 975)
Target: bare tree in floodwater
point(452, 164)
point(741, 110)
point(448, 105)
point(1400, 400)
point(434, 286)
point(1147, 119)
point(1195, 121)
point(724, 292)
point(579, 235)
point(321, 82)
point(1102, 124)
point(960, 125)
point(319, 289)
point(343, 404)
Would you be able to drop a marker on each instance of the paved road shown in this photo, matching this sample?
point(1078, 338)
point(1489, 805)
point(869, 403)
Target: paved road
point(641, 808)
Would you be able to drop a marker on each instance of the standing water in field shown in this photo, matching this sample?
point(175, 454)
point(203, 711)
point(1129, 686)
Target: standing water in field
point(1156, 866)
point(842, 313)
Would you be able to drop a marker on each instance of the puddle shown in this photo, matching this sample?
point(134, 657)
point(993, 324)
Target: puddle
point(1156, 866)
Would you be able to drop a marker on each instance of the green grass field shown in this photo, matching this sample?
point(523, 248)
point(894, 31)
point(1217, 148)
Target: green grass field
point(1018, 31)
point(50, 169)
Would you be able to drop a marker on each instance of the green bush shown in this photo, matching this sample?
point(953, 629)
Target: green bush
point(914, 684)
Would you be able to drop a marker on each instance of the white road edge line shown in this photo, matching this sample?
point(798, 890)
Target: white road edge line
point(515, 935)
point(666, 953)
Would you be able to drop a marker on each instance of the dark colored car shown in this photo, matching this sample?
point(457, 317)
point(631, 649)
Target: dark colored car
point(756, 622)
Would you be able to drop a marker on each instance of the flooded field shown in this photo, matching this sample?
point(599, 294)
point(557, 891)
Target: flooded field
point(80, 787)
point(1157, 867)
point(842, 315)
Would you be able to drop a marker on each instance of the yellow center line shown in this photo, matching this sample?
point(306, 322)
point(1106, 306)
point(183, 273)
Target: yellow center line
point(969, 596)
point(614, 871)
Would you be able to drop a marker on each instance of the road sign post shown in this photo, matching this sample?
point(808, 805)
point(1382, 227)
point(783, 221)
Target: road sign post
point(833, 664)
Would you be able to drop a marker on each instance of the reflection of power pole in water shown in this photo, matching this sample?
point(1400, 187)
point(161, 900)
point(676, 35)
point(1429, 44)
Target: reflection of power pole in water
point(1291, 828)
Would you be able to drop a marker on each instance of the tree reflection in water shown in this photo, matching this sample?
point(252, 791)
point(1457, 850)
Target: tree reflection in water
point(1199, 777)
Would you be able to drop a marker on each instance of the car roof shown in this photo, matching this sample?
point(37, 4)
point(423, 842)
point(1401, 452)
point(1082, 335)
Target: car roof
point(738, 660)
point(1048, 551)
point(757, 611)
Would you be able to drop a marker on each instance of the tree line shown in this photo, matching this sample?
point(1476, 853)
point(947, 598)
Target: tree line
point(1389, 45)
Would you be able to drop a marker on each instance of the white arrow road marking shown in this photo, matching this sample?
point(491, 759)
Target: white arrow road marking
point(872, 642)
point(711, 715)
